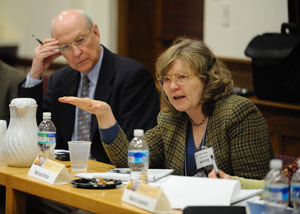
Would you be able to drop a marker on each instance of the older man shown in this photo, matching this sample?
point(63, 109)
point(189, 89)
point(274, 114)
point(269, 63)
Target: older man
point(95, 72)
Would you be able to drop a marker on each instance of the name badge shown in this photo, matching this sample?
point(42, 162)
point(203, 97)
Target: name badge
point(146, 197)
point(203, 157)
point(49, 171)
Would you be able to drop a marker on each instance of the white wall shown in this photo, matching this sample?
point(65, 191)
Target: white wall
point(19, 19)
point(229, 25)
point(226, 37)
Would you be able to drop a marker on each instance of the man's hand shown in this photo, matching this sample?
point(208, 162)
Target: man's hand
point(44, 55)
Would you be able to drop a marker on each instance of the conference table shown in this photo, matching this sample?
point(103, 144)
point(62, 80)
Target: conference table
point(18, 184)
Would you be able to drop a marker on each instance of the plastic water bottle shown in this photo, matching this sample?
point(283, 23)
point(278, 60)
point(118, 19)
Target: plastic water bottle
point(276, 190)
point(138, 158)
point(47, 136)
point(295, 190)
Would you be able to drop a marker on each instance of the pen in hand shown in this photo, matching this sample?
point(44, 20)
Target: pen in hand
point(39, 41)
point(215, 166)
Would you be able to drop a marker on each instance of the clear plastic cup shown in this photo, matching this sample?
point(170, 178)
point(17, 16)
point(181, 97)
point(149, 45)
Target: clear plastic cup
point(79, 154)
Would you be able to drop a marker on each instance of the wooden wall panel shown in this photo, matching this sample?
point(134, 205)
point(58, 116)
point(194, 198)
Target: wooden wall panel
point(137, 30)
point(147, 27)
point(182, 18)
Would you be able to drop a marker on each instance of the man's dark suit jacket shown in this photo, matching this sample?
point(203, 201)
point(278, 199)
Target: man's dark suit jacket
point(126, 85)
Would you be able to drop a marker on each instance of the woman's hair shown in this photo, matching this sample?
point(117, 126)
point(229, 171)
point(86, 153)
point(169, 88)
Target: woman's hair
point(215, 76)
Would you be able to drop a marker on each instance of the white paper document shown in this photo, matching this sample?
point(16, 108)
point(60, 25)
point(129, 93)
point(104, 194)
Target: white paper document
point(246, 194)
point(153, 174)
point(194, 191)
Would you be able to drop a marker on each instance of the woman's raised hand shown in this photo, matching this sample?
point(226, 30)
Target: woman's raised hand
point(101, 109)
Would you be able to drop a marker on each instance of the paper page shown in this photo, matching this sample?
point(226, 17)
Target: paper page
point(153, 174)
point(56, 151)
point(243, 203)
point(194, 191)
point(105, 175)
point(157, 174)
point(203, 191)
point(244, 194)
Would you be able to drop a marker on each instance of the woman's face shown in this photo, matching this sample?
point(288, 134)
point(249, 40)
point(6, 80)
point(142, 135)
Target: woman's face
point(183, 87)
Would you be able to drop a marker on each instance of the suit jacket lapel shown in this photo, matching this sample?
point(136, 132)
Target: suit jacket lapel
point(69, 88)
point(182, 135)
point(176, 143)
point(103, 88)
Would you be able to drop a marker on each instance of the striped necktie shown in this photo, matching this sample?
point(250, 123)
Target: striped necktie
point(83, 125)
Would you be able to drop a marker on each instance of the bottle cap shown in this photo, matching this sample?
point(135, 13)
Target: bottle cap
point(138, 132)
point(46, 115)
point(276, 164)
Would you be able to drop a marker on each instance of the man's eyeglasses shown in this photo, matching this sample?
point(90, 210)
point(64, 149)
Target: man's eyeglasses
point(179, 79)
point(79, 43)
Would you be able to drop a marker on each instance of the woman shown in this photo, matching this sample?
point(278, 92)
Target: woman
point(198, 109)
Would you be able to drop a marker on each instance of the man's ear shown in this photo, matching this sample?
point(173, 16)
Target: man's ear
point(96, 32)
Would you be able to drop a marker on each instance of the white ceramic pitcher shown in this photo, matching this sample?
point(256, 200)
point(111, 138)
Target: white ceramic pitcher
point(19, 143)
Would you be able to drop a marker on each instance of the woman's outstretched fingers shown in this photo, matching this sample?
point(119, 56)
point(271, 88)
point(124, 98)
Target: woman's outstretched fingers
point(101, 109)
point(70, 100)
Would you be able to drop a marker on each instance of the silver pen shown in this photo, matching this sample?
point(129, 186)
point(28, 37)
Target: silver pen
point(215, 166)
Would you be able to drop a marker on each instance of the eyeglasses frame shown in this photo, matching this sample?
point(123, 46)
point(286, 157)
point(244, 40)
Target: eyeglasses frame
point(75, 43)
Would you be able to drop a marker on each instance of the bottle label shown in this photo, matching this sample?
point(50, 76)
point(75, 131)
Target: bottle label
point(136, 157)
point(277, 193)
point(295, 191)
point(46, 137)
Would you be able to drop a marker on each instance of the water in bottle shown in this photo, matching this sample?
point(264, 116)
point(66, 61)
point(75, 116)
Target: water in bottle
point(138, 158)
point(47, 136)
point(276, 190)
point(295, 190)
